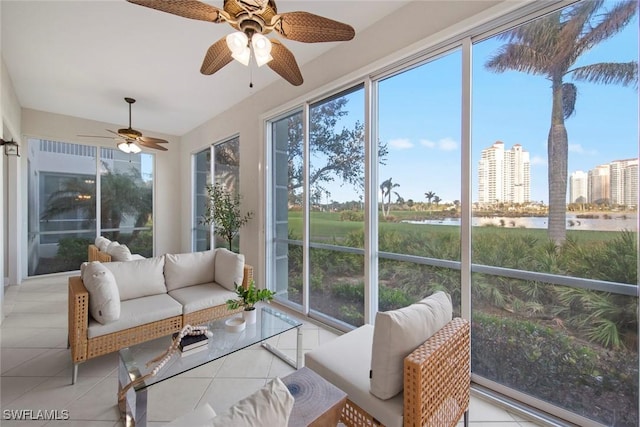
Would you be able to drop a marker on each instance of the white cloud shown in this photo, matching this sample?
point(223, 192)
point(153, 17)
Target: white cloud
point(400, 144)
point(444, 144)
point(538, 160)
point(447, 144)
point(427, 143)
point(579, 149)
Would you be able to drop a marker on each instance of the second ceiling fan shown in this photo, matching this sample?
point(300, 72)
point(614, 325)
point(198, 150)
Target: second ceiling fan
point(253, 19)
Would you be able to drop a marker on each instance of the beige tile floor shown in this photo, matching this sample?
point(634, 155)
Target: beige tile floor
point(36, 369)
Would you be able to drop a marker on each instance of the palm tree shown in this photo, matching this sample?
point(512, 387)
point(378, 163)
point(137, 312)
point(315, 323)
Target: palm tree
point(437, 200)
point(429, 196)
point(549, 47)
point(385, 188)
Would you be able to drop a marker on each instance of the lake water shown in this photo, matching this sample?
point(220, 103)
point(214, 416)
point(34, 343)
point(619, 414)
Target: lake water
point(617, 222)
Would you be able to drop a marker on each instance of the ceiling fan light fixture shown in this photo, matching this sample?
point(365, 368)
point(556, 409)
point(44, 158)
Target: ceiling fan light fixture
point(238, 44)
point(129, 147)
point(261, 49)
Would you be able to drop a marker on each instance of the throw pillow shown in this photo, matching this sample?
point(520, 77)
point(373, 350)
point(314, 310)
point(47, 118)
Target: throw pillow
point(111, 247)
point(269, 406)
point(121, 253)
point(397, 333)
point(181, 270)
point(229, 268)
point(104, 298)
point(139, 278)
point(102, 243)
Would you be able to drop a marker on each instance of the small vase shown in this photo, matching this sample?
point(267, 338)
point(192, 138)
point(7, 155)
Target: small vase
point(250, 316)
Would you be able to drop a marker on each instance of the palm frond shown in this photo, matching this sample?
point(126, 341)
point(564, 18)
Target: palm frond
point(610, 23)
point(608, 73)
point(519, 57)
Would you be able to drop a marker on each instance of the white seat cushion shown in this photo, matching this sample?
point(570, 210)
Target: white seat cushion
point(188, 269)
point(136, 256)
point(138, 312)
point(199, 297)
point(138, 278)
point(397, 333)
point(345, 363)
point(104, 298)
point(269, 406)
point(229, 270)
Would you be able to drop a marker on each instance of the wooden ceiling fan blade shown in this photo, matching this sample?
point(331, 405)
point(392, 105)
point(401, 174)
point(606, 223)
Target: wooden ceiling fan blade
point(153, 140)
point(284, 63)
point(149, 144)
point(309, 28)
point(192, 9)
point(218, 55)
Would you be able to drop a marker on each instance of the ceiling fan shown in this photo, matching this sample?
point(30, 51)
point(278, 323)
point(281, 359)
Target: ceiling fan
point(253, 19)
point(130, 139)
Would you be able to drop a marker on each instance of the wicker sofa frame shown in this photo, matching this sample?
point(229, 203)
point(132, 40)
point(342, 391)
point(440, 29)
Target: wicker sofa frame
point(84, 348)
point(437, 382)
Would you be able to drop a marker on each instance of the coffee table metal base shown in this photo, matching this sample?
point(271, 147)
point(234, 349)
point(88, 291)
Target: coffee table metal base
point(296, 364)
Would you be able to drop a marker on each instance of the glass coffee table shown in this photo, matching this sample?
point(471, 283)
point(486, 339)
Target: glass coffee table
point(132, 360)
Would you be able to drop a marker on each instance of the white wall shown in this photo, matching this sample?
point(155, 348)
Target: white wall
point(167, 172)
point(410, 24)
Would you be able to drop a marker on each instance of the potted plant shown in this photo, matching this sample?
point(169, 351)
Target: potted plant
point(248, 298)
point(223, 211)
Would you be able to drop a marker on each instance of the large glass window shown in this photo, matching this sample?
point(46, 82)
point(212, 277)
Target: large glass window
point(201, 238)
point(63, 200)
point(552, 207)
point(226, 172)
point(126, 199)
point(555, 157)
point(419, 182)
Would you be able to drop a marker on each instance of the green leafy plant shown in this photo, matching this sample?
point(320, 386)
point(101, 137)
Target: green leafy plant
point(223, 211)
point(248, 297)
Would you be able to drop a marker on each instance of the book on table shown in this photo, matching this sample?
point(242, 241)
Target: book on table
point(193, 350)
point(189, 342)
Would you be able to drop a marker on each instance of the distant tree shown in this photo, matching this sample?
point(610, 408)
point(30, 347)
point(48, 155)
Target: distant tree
point(437, 200)
point(341, 150)
point(385, 189)
point(550, 46)
point(429, 196)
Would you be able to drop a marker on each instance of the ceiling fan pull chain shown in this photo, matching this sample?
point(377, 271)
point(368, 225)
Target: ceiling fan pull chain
point(250, 75)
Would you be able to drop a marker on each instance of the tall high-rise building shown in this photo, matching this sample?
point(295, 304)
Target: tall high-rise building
point(624, 182)
point(578, 187)
point(504, 175)
point(599, 188)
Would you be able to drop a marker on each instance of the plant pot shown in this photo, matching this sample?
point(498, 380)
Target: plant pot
point(250, 316)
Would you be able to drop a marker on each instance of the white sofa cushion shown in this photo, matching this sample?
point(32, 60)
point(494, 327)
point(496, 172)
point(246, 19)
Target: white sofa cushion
point(229, 270)
point(269, 406)
point(345, 362)
point(111, 246)
point(199, 297)
point(199, 417)
point(137, 312)
point(138, 278)
point(120, 253)
point(189, 269)
point(104, 298)
point(102, 243)
point(397, 333)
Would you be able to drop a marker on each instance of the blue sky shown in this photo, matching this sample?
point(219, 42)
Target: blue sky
point(419, 116)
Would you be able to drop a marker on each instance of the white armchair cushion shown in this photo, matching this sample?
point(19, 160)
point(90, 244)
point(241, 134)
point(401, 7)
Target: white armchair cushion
point(269, 406)
point(102, 243)
point(229, 269)
point(111, 246)
point(138, 278)
point(104, 298)
point(195, 268)
point(120, 253)
point(397, 333)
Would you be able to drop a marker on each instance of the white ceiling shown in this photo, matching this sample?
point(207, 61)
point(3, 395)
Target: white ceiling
point(81, 58)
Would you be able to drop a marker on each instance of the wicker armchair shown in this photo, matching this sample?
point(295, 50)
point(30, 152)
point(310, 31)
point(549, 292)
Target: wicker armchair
point(437, 379)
